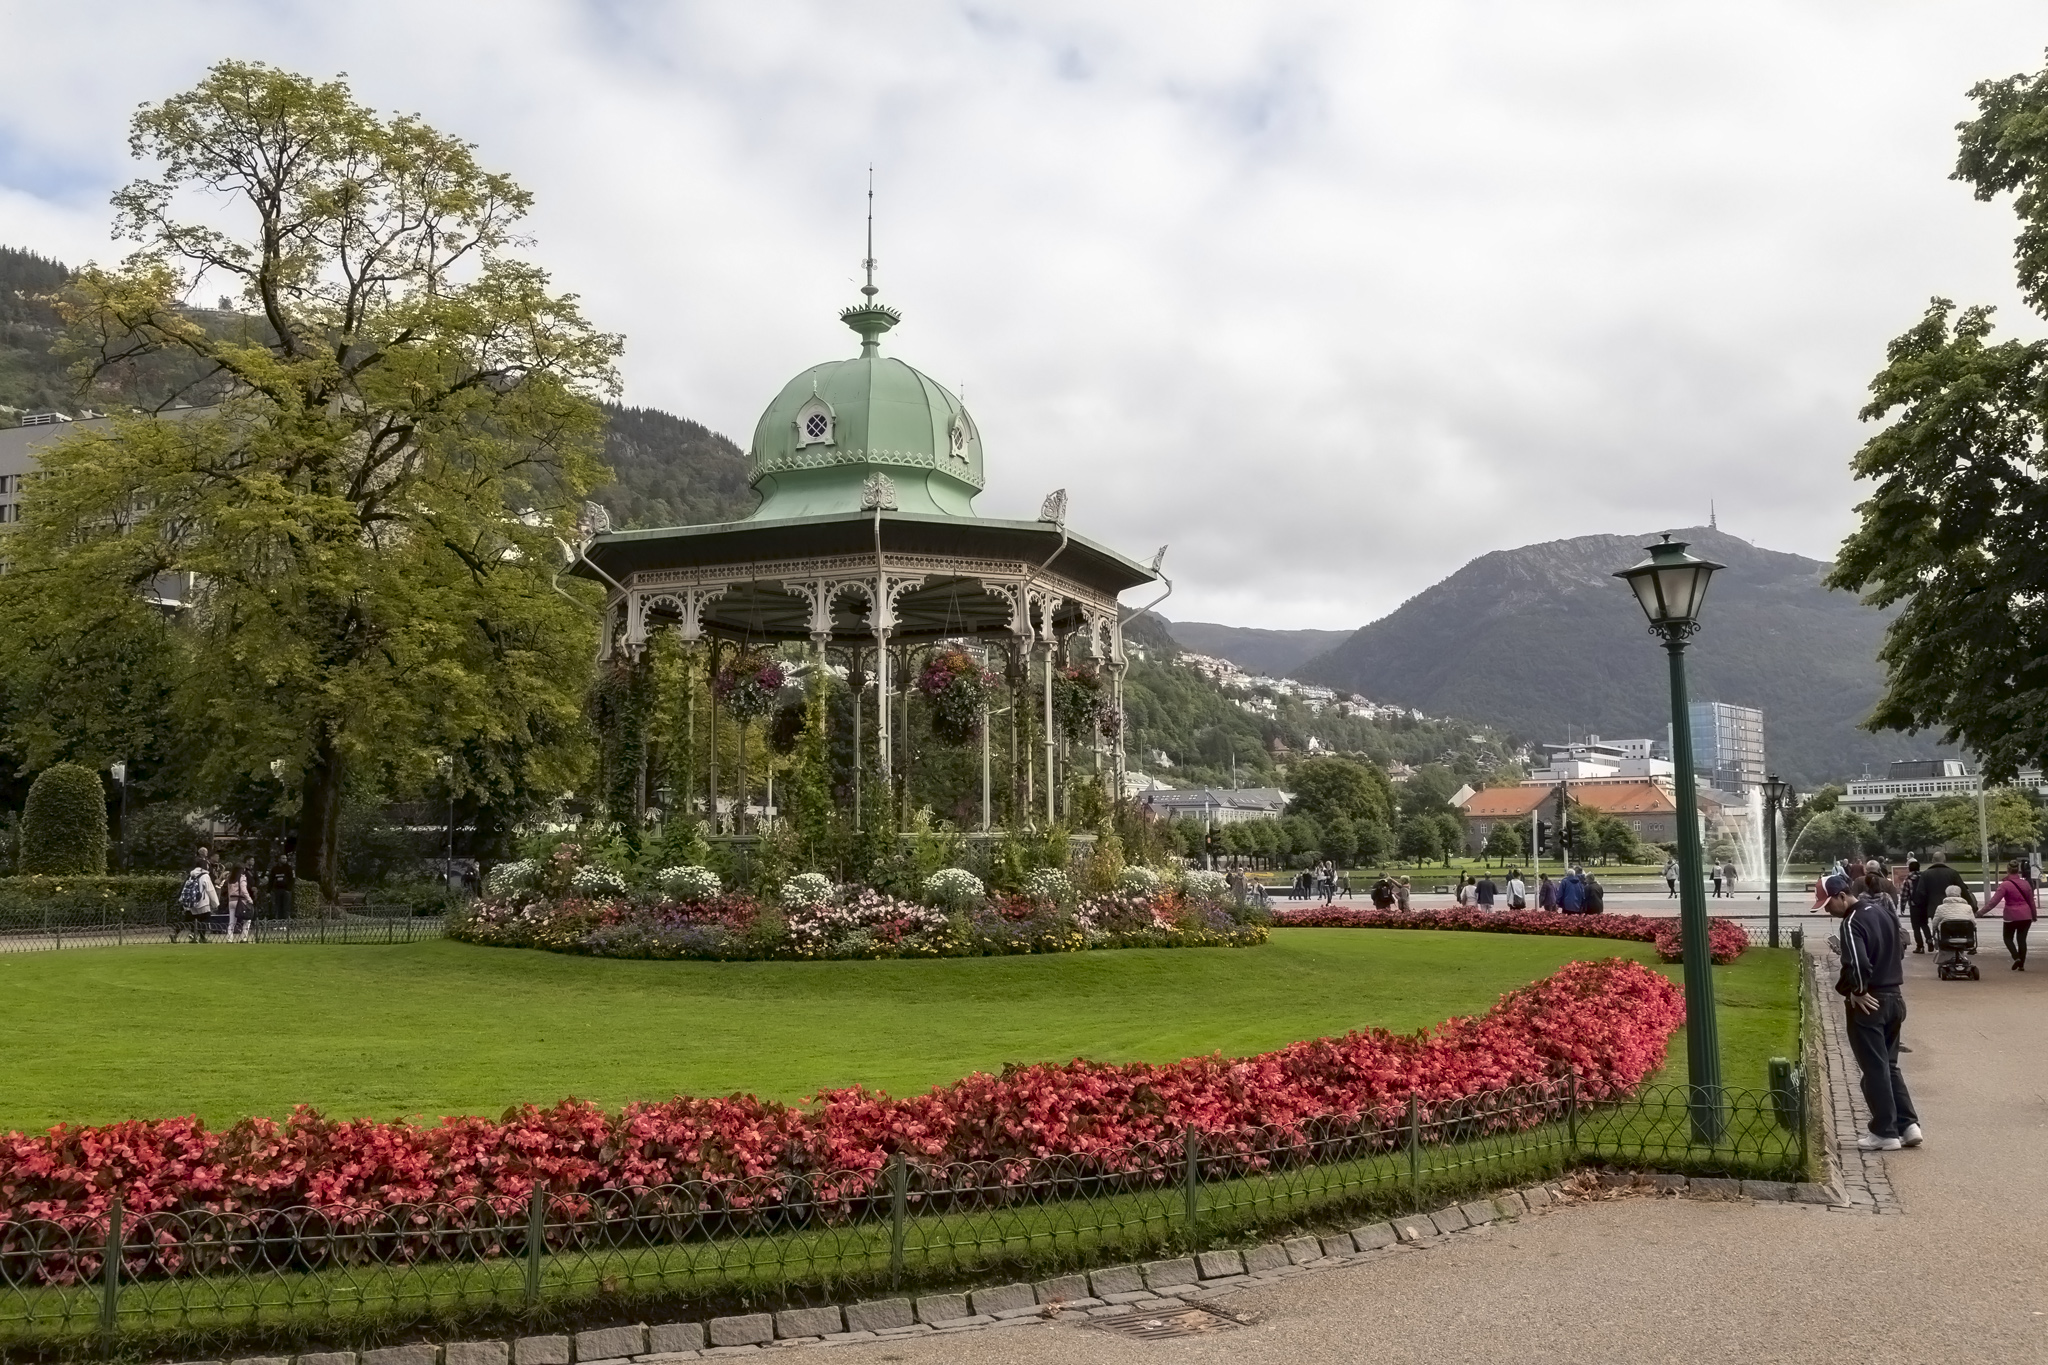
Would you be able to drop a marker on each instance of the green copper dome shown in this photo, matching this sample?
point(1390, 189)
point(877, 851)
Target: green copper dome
point(837, 425)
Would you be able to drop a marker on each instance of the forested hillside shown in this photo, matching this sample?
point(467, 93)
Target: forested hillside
point(670, 471)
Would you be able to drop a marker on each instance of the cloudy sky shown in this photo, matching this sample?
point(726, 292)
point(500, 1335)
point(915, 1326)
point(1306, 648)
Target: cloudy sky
point(1329, 297)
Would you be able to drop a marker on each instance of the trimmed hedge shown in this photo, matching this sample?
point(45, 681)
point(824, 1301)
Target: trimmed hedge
point(64, 823)
point(31, 902)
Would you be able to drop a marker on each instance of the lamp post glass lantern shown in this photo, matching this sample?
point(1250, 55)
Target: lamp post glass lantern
point(1670, 585)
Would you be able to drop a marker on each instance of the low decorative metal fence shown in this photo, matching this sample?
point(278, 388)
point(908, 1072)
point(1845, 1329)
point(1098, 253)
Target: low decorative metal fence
point(191, 1281)
point(120, 927)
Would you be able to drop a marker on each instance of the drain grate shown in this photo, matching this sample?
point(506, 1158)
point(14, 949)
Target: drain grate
point(1189, 1322)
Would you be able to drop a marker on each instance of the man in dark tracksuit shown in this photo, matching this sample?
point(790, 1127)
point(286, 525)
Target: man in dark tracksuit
point(1873, 970)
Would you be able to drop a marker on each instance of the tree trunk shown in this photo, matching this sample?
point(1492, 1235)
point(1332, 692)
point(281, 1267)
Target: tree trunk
point(320, 817)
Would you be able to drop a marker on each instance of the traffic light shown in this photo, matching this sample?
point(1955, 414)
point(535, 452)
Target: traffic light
point(1565, 841)
point(1212, 843)
point(1544, 831)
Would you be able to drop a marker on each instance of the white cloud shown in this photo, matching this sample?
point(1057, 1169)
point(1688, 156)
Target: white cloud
point(1330, 297)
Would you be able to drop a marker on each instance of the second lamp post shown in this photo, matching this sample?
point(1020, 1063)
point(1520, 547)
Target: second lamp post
point(1670, 585)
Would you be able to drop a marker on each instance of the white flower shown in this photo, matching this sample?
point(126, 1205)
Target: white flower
point(598, 881)
point(806, 891)
point(511, 876)
point(689, 883)
point(1138, 880)
point(1212, 887)
point(953, 887)
point(1049, 886)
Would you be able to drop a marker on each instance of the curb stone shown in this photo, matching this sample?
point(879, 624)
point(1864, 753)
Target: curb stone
point(612, 1343)
point(808, 1322)
point(879, 1315)
point(671, 1338)
point(1117, 1279)
point(747, 1329)
point(538, 1351)
point(1265, 1257)
point(418, 1354)
point(1179, 1270)
point(933, 1309)
point(1213, 1265)
point(1338, 1244)
point(1062, 1289)
point(1002, 1298)
point(1302, 1250)
point(1479, 1212)
point(476, 1353)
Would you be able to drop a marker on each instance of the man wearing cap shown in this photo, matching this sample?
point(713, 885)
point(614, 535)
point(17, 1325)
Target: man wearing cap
point(1873, 971)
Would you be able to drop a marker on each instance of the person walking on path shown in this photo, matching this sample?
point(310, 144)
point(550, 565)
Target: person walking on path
point(197, 900)
point(2016, 895)
point(1917, 907)
point(1401, 894)
point(1671, 879)
point(1518, 890)
point(1571, 892)
point(1728, 877)
point(279, 884)
point(1485, 891)
point(1717, 880)
point(1873, 973)
point(1546, 892)
point(241, 904)
point(1930, 888)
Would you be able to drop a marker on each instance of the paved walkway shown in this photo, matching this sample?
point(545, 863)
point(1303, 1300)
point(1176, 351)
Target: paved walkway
point(1961, 1274)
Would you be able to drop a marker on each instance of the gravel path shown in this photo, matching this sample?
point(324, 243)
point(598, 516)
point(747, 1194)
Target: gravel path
point(1955, 1276)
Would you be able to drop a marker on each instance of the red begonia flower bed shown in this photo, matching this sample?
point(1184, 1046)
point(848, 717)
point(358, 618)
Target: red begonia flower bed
point(1726, 940)
point(1607, 1022)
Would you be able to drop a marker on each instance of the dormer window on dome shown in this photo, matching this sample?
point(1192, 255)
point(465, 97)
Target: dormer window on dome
point(956, 439)
point(814, 422)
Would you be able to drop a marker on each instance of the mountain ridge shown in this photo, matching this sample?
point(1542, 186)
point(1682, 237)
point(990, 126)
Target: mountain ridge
point(1544, 641)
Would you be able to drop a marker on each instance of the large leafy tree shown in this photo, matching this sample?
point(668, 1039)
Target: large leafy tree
point(1326, 788)
point(1952, 533)
point(361, 531)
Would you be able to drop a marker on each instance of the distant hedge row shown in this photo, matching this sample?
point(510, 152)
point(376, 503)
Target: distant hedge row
point(28, 902)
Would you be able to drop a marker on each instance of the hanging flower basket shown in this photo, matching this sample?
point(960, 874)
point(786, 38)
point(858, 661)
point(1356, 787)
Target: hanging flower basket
point(957, 689)
point(747, 685)
point(1081, 704)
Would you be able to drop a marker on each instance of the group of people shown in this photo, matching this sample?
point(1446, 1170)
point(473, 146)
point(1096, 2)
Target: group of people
point(1938, 892)
point(1867, 898)
point(1322, 880)
point(1578, 892)
point(214, 889)
point(1722, 874)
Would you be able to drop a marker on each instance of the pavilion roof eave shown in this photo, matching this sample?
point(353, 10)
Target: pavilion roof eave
point(620, 553)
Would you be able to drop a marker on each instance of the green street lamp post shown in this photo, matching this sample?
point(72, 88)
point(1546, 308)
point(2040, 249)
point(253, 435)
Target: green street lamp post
point(1776, 793)
point(1670, 585)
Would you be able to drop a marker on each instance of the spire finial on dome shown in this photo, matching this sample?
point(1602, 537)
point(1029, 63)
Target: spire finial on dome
point(870, 319)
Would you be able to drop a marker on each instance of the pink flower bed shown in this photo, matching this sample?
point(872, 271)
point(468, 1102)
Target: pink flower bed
point(1606, 1021)
point(1726, 940)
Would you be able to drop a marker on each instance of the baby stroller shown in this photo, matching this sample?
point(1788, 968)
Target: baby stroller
point(1955, 943)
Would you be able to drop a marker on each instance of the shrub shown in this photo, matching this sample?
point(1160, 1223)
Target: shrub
point(64, 823)
point(1207, 888)
point(692, 884)
point(953, 888)
point(506, 878)
point(597, 881)
point(1726, 940)
point(806, 891)
point(29, 902)
point(1138, 880)
point(1049, 886)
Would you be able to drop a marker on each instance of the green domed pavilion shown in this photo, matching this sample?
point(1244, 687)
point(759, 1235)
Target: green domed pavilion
point(866, 541)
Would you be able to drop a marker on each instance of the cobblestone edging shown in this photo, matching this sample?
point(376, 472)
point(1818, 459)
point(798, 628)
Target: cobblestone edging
point(1863, 1177)
point(1148, 1287)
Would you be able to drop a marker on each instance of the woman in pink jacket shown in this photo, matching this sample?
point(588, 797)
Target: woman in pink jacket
point(2016, 894)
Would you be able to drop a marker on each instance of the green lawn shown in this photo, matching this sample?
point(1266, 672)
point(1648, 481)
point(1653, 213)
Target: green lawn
point(440, 1027)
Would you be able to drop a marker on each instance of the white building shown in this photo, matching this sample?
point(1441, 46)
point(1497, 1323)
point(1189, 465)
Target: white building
point(1922, 780)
